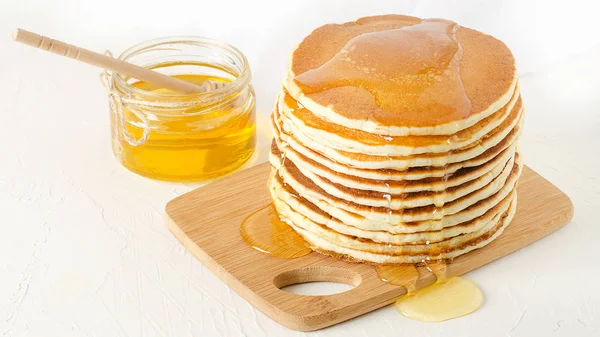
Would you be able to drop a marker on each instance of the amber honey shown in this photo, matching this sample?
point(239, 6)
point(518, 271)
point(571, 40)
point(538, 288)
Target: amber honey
point(405, 275)
point(265, 232)
point(446, 299)
point(199, 146)
point(173, 136)
point(422, 61)
point(441, 301)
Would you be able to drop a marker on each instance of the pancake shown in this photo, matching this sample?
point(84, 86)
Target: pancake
point(450, 179)
point(431, 249)
point(465, 215)
point(351, 74)
point(392, 200)
point(342, 138)
point(283, 194)
point(327, 241)
point(413, 173)
point(433, 210)
point(382, 217)
point(400, 163)
point(328, 248)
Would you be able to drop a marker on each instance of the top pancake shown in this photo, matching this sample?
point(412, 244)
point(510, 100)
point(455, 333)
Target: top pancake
point(428, 77)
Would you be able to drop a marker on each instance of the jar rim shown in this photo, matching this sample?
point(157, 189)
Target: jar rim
point(237, 84)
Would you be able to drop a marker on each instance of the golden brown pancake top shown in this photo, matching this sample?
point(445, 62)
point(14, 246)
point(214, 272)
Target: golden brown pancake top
point(402, 71)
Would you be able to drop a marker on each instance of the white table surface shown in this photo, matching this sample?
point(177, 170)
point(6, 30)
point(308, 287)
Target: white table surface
point(83, 247)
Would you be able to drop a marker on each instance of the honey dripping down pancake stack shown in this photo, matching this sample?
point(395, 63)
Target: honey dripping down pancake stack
point(395, 140)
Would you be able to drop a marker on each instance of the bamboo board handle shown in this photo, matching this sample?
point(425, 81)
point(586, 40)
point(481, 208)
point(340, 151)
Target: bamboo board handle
point(99, 60)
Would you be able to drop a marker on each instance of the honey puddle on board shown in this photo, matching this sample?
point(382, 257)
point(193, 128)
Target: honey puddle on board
point(263, 231)
point(444, 300)
point(456, 297)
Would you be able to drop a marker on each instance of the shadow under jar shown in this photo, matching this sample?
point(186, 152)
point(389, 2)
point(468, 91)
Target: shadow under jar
point(165, 135)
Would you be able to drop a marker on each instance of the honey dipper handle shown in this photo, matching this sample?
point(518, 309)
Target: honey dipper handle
point(157, 79)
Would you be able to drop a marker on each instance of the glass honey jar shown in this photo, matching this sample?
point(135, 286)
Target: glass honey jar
point(171, 136)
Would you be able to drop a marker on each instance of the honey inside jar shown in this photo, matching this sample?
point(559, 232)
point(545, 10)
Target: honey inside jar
point(172, 136)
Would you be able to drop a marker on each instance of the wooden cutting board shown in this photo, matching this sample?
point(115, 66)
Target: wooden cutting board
point(207, 221)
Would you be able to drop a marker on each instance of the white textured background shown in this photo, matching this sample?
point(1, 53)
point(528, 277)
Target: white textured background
point(83, 249)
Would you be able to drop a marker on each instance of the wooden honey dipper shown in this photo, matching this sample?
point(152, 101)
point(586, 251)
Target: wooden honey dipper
point(99, 60)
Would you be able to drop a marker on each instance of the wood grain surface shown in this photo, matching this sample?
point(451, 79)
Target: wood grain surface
point(207, 220)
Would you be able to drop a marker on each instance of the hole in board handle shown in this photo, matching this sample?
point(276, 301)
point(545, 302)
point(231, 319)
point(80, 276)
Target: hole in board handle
point(317, 281)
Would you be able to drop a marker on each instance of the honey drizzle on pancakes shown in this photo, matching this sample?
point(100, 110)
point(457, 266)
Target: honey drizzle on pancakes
point(265, 232)
point(412, 70)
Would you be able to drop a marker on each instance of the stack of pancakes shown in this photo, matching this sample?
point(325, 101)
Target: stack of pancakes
point(395, 140)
